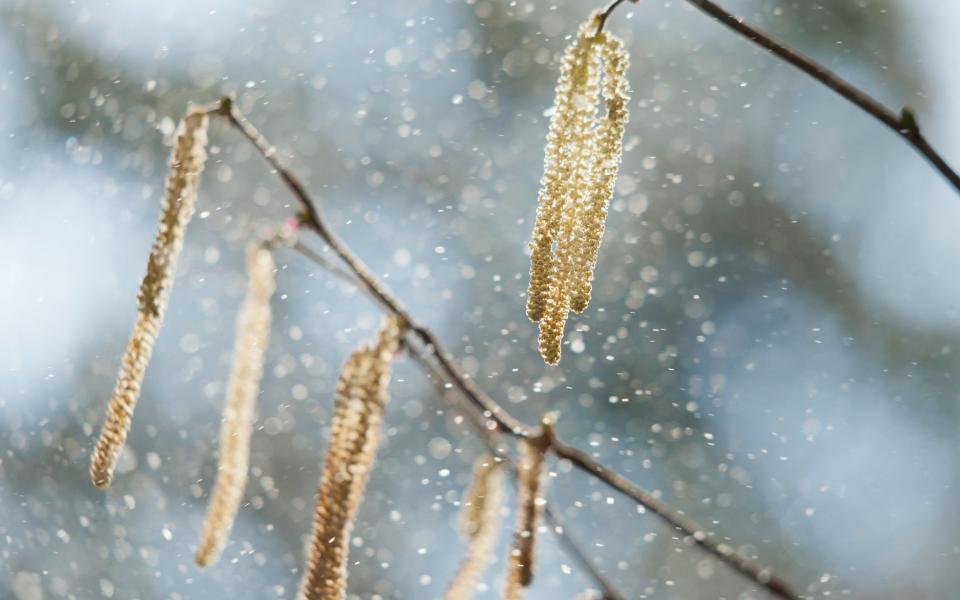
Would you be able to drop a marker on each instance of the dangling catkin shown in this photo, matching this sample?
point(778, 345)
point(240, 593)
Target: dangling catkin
point(582, 153)
point(581, 161)
point(608, 152)
point(253, 332)
point(362, 391)
point(186, 164)
point(479, 522)
point(557, 173)
point(530, 504)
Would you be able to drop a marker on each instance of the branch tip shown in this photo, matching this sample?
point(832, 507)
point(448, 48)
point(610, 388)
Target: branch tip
point(225, 105)
point(904, 124)
point(607, 11)
point(908, 121)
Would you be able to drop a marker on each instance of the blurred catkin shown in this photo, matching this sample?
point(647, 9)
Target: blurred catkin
point(186, 164)
point(362, 392)
point(530, 505)
point(581, 161)
point(479, 522)
point(253, 333)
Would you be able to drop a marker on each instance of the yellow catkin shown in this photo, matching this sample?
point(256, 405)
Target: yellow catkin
point(480, 524)
point(606, 164)
point(362, 392)
point(530, 505)
point(253, 333)
point(557, 173)
point(580, 166)
point(582, 152)
point(186, 164)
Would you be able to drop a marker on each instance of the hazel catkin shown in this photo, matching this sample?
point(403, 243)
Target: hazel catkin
point(243, 385)
point(186, 164)
point(362, 392)
point(581, 161)
point(557, 173)
point(480, 523)
point(607, 155)
point(530, 503)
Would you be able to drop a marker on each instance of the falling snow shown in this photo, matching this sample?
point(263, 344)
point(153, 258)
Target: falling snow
point(771, 345)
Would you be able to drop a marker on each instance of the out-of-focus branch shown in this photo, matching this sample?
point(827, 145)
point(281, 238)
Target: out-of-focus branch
point(679, 521)
point(573, 548)
point(497, 419)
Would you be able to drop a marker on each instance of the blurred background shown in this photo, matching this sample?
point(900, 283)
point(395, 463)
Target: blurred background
point(770, 348)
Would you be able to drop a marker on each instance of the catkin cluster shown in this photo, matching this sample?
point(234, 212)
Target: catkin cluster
point(530, 503)
point(186, 164)
point(243, 385)
point(362, 391)
point(480, 525)
point(580, 167)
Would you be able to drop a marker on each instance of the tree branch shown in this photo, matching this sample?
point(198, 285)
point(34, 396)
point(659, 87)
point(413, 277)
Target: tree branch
point(678, 520)
point(497, 418)
point(903, 123)
point(606, 12)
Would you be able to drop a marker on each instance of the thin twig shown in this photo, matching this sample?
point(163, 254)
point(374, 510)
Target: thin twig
point(312, 219)
point(606, 12)
point(903, 123)
point(498, 419)
point(679, 521)
point(329, 266)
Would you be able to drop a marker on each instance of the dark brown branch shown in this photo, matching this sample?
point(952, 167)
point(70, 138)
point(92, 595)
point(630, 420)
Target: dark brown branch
point(679, 521)
point(903, 123)
point(606, 12)
point(498, 419)
point(331, 267)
